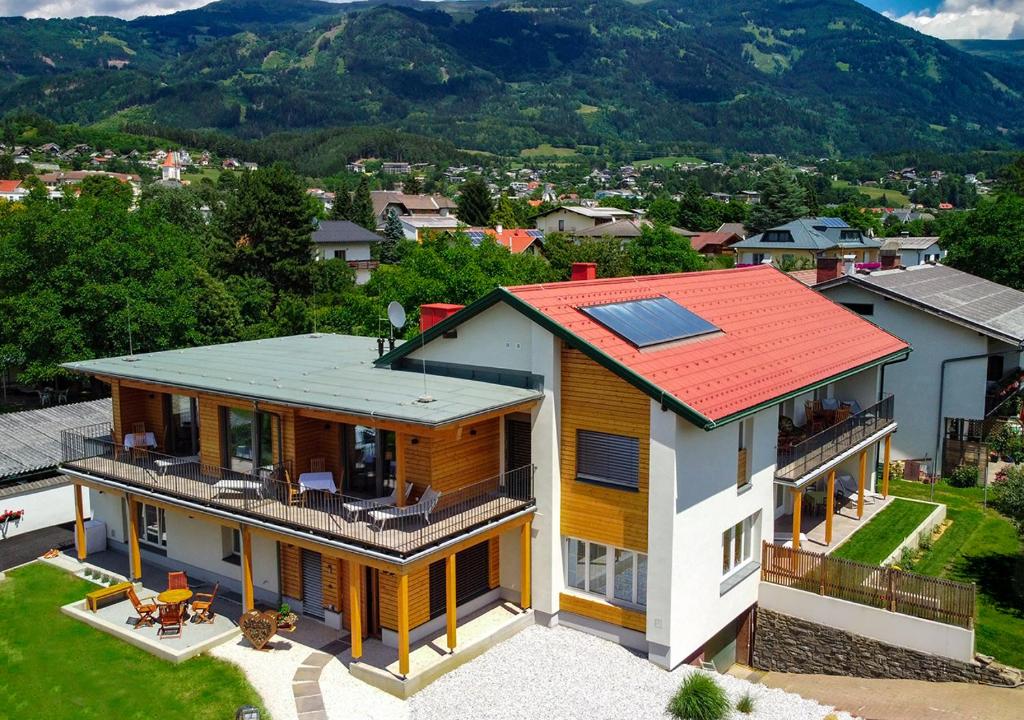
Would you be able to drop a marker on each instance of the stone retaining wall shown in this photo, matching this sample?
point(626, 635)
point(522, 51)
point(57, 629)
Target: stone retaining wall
point(783, 643)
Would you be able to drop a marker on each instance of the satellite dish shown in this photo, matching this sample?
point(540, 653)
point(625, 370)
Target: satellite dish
point(396, 314)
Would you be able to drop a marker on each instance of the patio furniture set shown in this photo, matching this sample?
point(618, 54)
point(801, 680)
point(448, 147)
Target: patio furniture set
point(819, 415)
point(167, 609)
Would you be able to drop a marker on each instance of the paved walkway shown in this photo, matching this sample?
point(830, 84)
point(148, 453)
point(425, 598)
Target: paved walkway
point(309, 702)
point(898, 699)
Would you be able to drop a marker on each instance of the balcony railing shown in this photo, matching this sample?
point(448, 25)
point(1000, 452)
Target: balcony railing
point(997, 392)
point(271, 494)
point(802, 458)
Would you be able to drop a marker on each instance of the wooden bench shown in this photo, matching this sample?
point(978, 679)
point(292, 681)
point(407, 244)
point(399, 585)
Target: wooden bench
point(120, 589)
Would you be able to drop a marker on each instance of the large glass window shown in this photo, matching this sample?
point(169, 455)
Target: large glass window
point(240, 435)
point(737, 544)
point(616, 574)
point(184, 428)
point(152, 525)
point(371, 460)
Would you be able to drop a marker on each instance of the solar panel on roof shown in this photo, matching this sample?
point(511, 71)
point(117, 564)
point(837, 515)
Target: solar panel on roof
point(535, 233)
point(833, 222)
point(476, 237)
point(650, 321)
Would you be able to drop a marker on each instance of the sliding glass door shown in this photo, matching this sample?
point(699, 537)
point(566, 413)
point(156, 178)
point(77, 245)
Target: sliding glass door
point(245, 430)
point(369, 460)
point(183, 425)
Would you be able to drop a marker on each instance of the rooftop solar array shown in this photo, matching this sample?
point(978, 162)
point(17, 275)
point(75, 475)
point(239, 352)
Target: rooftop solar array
point(832, 222)
point(650, 321)
point(476, 236)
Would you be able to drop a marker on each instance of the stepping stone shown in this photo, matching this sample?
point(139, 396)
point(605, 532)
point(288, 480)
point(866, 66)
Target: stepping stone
point(309, 704)
point(317, 659)
point(305, 674)
point(305, 689)
point(314, 715)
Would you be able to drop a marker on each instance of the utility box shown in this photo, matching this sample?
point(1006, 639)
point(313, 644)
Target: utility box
point(95, 537)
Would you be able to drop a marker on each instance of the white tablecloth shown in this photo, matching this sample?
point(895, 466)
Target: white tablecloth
point(148, 441)
point(317, 481)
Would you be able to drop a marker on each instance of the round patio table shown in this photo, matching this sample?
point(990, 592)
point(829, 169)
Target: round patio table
point(174, 597)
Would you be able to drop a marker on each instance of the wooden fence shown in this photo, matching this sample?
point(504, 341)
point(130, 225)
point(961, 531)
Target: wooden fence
point(930, 598)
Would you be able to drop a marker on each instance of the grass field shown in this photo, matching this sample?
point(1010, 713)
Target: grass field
point(875, 541)
point(895, 198)
point(58, 668)
point(546, 150)
point(668, 160)
point(979, 546)
point(198, 174)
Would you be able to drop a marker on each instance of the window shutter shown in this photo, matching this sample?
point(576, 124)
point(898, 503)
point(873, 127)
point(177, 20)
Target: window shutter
point(606, 458)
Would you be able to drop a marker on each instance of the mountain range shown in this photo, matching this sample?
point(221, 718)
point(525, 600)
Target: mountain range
point(812, 77)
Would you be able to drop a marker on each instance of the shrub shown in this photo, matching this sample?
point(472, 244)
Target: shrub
point(896, 470)
point(964, 476)
point(925, 542)
point(745, 704)
point(699, 698)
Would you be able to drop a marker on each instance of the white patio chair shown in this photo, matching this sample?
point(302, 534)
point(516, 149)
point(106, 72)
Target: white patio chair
point(353, 508)
point(423, 507)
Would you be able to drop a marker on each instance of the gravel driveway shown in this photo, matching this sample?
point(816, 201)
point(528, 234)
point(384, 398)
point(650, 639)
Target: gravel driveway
point(562, 674)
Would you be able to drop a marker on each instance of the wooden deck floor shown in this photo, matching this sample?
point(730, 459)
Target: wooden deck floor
point(318, 512)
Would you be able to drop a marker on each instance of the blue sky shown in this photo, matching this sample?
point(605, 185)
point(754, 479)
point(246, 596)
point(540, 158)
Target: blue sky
point(942, 18)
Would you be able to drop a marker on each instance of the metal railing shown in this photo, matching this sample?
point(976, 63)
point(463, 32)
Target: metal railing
point(271, 493)
point(922, 596)
point(802, 458)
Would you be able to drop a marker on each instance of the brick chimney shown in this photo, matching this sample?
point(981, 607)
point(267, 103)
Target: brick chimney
point(433, 313)
point(828, 269)
point(584, 271)
point(890, 260)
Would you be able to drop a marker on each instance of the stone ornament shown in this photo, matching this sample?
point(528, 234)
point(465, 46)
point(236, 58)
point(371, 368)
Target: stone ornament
point(258, 627)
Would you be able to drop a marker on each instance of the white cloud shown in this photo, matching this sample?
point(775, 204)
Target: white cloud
point(127, 9)
point(968, 19)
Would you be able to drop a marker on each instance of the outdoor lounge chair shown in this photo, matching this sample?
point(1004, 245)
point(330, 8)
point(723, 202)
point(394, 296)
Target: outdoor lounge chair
point(846, 489)
point(202, 604)
point(426, 503)
point(170, 620)
point(144, 608)
point(353, 508)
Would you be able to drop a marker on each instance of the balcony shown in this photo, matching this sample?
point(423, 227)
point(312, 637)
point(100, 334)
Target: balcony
point(997, 392)
point(269, 495)
point(798, 460)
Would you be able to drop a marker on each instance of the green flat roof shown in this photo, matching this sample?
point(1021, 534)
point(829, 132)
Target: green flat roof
point(328, 372)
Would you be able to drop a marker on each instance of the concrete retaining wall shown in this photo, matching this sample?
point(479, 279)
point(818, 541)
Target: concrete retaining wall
point(913, 540)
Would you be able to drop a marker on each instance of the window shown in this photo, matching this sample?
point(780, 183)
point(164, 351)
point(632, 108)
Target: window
point(231, 542)
point(737, 544)
point(339, 254)
point(608, 459)
point(777, 236)
point(860, 308)
point(561, 226)
point(849, 235)
point(931, 257)
point(617, 575)
point(742, 454)
point(152, 525)
point(240, 432)
point(758, 258)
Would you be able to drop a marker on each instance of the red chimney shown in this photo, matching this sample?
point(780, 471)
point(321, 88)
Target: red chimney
point(828, 269)
point(433, 313)
point(584, 271)
point(890, 260)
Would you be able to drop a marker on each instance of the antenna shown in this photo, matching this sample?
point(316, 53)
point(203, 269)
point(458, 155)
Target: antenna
point(315, 334)
point(131, 348)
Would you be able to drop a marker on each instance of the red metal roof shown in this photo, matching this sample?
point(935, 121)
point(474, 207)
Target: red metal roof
point(778, 336)
point(8, 186)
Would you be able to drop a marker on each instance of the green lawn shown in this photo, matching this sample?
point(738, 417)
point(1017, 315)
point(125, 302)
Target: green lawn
point(896, 198)
point(979, 546)
point(875, 541)
point(58, 668)
point(669, 160)
point(547, 150)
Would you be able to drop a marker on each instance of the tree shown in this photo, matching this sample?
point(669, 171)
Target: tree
point(988, 241)
point(1011, 178)
point(104, 186)
point(342, 207)
point(609, 254)
point(659, 250)
point(391, 237)
point(504, 214)
point(475, 206)
point(663, 209)
point(412, 185)
point(782, 199)
point(265, 229)
point(361, 212)
point(6, 167)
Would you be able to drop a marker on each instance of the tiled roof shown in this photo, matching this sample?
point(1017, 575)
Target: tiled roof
point(517, 240)
point(30, 440)
point(705, 240)
point(807, 277)
point(777, 336)
point(343, 231)
point(7, 186)
point(413, 203)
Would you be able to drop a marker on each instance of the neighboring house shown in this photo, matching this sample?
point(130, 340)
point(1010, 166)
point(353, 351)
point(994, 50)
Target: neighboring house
point(914, 250)
point(735, 228)
point(396, 168)
point(750, 197)
point(517, 240)
point(714, 243)
point(170, 169)
point(967, 334)
point(614, 477)
point(344, 240)
point(625, 229)
point(12, 190)
point(55, 182)
point(409, 205)
point(33, 495)
point(416, 227)
point(808, 239)
point(574, 219)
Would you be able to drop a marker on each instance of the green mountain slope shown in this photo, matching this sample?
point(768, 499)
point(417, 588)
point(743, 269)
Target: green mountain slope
point(1009, 51)
point(810, 76)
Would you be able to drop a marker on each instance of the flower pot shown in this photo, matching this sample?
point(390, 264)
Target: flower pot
point(287, 622)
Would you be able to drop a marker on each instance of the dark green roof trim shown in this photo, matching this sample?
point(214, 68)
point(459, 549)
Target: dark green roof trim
point(668, 402)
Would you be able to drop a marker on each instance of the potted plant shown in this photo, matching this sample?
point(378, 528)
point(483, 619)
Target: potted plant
point(286, 619)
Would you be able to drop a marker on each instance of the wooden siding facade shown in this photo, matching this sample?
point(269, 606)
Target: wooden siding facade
point(604, 611)
point(595, 399)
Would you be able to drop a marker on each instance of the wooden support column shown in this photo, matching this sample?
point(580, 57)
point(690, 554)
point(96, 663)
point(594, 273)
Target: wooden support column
point(403, 625)
point(449, 594)
point(401, 439)
point(134, 554)
point(862, 478)
point(79, 522)
point(355, 609)
point(830, 499)
point(526, 566)
point(885, 466)
point(798, 502)
point(248, 601)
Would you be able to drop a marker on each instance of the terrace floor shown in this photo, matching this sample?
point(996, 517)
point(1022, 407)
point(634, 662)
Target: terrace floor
point(844, 524)
point(318, 512)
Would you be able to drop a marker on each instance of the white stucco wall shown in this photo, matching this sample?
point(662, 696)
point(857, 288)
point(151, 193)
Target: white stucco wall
point(915, 383)
point(499, 337)
point(693, 499)
point(107, 507)
point(573, 222)
point(43, 508)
